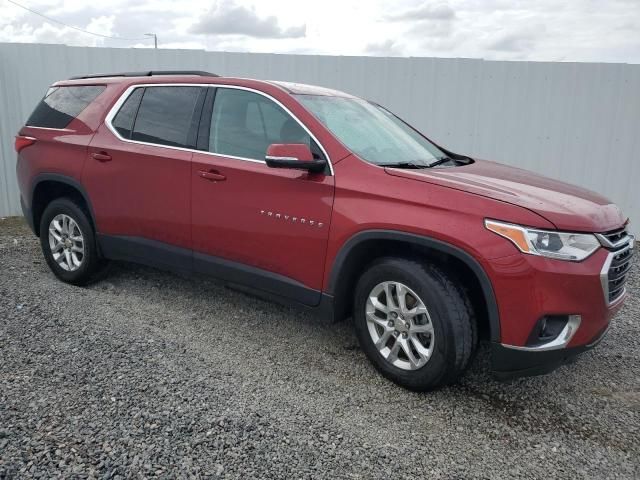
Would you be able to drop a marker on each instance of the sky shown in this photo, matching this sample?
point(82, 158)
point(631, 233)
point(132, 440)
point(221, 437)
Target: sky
point(532, 30)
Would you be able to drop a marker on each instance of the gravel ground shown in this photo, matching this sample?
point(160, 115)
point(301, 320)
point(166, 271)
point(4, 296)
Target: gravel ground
point(148, 374)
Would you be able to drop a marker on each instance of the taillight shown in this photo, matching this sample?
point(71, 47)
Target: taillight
point(23, 142)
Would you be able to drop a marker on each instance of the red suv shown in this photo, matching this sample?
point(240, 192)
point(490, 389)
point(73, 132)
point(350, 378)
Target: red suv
point(318, 198)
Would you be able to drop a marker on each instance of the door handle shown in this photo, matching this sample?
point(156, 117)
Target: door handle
point(213, 176)
point(101, 157)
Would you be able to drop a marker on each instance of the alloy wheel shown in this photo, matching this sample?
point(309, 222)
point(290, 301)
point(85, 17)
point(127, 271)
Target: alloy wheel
point(399, 325)
point(66, 242)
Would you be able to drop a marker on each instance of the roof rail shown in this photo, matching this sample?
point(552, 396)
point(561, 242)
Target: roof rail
point(149, 73)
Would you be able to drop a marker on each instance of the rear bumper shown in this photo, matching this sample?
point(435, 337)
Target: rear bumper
point(508, 363)
point(28, 215)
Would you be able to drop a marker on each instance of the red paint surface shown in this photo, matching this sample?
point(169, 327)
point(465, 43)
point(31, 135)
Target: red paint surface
point(161, 194)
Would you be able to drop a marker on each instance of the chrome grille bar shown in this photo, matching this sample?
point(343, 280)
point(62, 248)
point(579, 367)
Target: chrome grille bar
point(613, 275)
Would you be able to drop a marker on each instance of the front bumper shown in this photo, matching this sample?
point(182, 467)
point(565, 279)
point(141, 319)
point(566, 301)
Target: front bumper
point(529, 288)
point(508, 363)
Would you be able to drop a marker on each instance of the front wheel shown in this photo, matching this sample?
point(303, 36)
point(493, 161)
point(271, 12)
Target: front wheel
point(414, 323)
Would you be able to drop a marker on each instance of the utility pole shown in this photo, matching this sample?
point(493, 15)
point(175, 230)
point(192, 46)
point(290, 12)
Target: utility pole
point(155, 39)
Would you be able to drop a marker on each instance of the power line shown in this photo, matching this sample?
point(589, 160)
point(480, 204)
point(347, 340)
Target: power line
point(71, 26)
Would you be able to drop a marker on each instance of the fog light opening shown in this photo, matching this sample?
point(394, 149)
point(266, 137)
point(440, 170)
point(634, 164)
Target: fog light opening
point(556, 329)
point(543, 328)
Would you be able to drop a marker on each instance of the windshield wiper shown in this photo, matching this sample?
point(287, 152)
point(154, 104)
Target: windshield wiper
point(435, 163)
point(405, 165)
point(440, 161)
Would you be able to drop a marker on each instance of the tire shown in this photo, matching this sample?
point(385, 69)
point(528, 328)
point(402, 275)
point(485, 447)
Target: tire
point(87, 266)
point(447, 332)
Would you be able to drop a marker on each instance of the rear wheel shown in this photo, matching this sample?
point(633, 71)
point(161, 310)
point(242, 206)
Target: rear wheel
point(68, 242)
point(414, 323)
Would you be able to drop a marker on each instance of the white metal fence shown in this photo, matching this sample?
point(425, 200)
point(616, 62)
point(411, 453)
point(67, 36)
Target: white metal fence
point(578, 122)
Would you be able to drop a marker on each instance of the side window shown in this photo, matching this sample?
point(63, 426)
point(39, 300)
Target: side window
point(254, 121)
point(244, 124)
point(167, 116)
point(62, 104)
point(123, 121)
point(280, 127)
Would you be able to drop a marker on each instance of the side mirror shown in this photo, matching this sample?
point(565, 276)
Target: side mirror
point(293, 155)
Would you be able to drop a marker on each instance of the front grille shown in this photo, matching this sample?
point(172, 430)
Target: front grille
point(617, 274)
point(616, 268)
point(616, 235)
point(614, 239)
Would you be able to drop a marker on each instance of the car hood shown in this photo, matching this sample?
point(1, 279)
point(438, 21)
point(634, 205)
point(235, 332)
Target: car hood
point(566, 206)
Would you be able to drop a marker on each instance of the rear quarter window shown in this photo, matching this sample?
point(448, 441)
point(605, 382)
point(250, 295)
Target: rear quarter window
point(123, 121)
point(62, 104)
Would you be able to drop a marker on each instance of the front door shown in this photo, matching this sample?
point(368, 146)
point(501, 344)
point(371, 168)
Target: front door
point(262, 226)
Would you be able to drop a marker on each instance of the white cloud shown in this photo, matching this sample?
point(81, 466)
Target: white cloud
point(426, 11)
point(518, 40)
point(102, 25)
point(229, 18)
point(546, 30)
point(388, 48)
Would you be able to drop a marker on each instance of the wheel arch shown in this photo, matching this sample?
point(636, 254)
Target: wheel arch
point(49, 186)
point(366, 246)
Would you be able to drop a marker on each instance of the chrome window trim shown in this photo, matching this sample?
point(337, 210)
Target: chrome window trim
point(125, 95)
point(51, 128)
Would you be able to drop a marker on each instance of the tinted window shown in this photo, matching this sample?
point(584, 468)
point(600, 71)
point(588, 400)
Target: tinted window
point(62, 104)
point(123, 121)
point(244, 124)
point(167, 116)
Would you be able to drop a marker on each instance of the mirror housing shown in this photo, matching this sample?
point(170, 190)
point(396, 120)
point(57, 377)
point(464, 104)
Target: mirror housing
point(293, 155)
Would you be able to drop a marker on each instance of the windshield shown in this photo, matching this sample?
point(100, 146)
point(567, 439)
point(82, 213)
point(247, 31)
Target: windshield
point(371, 132)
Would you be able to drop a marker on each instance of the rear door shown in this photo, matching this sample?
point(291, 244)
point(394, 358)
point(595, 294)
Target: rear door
point(262, 226)
point(138, 174)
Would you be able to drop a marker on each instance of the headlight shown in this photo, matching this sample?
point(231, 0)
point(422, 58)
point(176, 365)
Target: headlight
point(563, 246)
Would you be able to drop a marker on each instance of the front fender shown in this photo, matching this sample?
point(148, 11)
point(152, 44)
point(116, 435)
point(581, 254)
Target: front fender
point(338, 269)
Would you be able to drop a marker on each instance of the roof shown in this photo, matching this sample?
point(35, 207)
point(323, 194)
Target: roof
point(304, 89)
point(195, 76)
point(148, 73)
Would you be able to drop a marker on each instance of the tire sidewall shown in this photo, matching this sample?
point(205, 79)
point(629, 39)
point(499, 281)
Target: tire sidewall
point(427, 288)
point(67, 207)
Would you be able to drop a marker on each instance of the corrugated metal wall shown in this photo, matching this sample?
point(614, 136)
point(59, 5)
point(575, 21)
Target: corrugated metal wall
point(579, 122)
